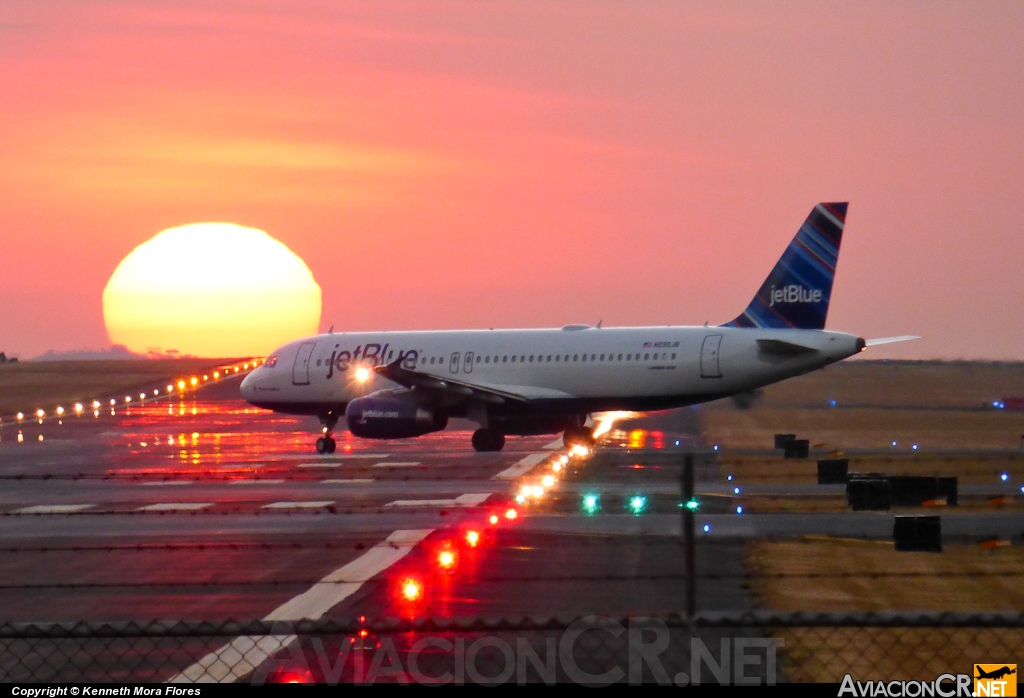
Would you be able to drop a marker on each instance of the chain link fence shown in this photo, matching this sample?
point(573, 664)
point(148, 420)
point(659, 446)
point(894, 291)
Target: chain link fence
point(721, 648)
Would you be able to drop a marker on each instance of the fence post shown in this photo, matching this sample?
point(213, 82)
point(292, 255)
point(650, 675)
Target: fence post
point(689, 519)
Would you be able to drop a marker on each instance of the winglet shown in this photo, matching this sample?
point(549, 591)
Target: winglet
point(889, 340)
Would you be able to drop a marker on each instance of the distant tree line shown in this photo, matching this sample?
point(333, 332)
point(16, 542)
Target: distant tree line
point(5, 360)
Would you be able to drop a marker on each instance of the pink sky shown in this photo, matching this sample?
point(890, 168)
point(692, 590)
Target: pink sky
point(478, 164)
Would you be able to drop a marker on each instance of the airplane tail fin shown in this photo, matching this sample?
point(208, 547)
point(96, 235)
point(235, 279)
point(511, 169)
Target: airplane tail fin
point(797, 292)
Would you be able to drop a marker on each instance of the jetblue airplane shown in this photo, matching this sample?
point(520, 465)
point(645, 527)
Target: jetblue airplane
point(395, 385)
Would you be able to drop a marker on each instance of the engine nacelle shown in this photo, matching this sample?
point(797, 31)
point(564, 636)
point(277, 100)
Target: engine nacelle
point(392, 418)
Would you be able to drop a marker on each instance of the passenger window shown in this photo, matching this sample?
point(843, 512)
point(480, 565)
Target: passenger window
point(318, 362)
point(487, 359)
point(513, 359)
point(531, 358)
point(522, 359)
point(655, 356)
point(593, 357)
point(584, 357)
point(646, 357)
point(557, 358)
point(629, 357)
point(390, 354)
point(620, 357)
point(574, 356)
point(504, 359)
point(549, 357)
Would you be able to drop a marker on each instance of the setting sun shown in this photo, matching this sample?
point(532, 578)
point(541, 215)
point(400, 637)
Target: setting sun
point(211, 289)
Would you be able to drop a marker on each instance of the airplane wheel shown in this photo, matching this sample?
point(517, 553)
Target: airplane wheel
point(488, 440)
point(321, 445)
point(331, 445)
point(579, 435)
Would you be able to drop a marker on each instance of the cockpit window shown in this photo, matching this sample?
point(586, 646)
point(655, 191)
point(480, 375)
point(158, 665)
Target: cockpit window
point(271, 362)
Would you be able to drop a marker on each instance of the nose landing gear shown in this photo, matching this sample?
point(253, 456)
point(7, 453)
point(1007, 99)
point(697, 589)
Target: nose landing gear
point(578, 436)
point(326, 444)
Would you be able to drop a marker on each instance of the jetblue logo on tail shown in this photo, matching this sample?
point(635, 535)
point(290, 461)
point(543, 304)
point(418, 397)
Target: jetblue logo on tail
point(794, 294)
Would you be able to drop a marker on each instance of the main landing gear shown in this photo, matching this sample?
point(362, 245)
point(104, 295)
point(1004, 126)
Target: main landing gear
point(488, 440)
point(326, 444)
point(578, 436)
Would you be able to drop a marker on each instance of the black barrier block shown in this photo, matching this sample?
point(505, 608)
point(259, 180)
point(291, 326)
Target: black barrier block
point(917, 534)
point(948, 487)
point(868, 493)
point(797, 448)
point(913, 490)
point(833, 471)
point(782, 439)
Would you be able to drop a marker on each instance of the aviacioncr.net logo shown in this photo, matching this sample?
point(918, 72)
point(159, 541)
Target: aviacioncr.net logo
point(794, 293)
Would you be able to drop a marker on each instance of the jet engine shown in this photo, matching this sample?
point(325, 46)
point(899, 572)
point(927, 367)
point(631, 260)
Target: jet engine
point(392, 418)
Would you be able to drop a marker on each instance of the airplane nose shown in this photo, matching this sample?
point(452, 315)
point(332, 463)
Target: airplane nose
point(247, 388)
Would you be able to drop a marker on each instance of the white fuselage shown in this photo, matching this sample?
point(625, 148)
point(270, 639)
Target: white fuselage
point(573, 369)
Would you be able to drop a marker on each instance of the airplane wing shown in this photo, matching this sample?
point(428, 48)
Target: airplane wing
point(890, 340)
point(452, 387)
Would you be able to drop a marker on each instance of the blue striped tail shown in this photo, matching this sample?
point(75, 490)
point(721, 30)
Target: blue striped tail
point(797, 292)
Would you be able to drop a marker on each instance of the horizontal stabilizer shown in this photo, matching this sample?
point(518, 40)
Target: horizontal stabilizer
point(890, 340)
point(783, 348)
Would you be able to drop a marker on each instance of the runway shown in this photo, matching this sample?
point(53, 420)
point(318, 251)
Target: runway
point(207, 509)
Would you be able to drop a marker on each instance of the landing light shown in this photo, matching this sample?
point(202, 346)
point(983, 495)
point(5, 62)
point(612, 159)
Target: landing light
point(362, 374)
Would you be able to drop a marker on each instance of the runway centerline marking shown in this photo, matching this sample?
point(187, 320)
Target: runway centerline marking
point(167, 483)
point(522, 467)
point(243, 654)
point(176, 506)
point(299, 505)
point(397, 464)
point(256, 482)
point(54, 509)
point(352, 481)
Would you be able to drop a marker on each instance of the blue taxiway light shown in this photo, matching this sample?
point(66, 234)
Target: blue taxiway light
point(707, 527)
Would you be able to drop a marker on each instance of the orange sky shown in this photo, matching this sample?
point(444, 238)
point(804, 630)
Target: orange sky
point(477, 164)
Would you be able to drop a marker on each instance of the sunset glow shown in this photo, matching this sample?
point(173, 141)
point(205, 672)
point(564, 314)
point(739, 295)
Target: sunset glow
point(210, 289)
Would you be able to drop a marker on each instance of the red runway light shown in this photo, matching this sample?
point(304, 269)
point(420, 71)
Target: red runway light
point(472, 538)
point(494, 519)
point(511, 514)
point(446, 559)
point(412, 590)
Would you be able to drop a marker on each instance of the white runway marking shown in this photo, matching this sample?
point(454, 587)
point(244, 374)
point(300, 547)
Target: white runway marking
point(54, 509)
point(176, 506)
point(243, 654)
point(320, 464)
point(256, 482)
point(463, 500)
point(396, 464)
point(352, 481)
point(338, 457)
point(168, 482)
point(522, 467)
point(299, 505)
point(554, 445)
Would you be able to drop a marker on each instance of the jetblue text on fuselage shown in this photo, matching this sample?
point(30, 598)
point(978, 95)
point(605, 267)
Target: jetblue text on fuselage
point(370, 355)
point(794, 293)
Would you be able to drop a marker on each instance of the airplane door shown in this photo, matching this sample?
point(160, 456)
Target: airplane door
point(453, 365)
point(467, 366)
point(709, 356)
point(300, 370)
